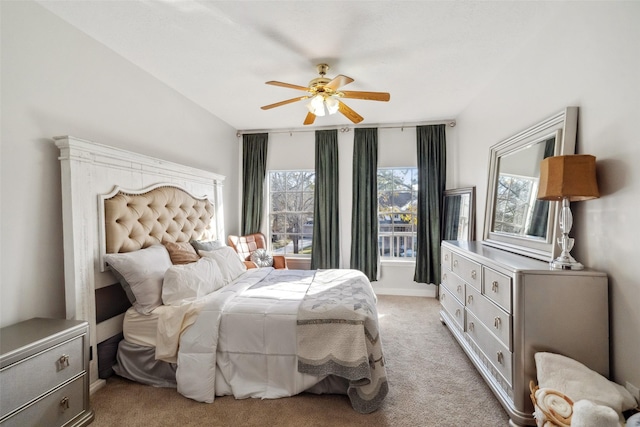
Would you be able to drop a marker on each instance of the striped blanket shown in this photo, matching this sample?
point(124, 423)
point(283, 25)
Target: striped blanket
point(337, 334)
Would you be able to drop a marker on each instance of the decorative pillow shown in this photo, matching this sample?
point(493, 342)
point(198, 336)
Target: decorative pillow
point(183, 283)
point(181, 252)
point(211, 245)
point(228, 261)
point(141, 273)
point(262, 258)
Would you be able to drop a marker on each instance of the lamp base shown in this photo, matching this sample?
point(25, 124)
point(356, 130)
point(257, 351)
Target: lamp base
point(566, 262)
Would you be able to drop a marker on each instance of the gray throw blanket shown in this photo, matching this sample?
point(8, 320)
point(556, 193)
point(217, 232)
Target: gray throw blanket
point(337, 334)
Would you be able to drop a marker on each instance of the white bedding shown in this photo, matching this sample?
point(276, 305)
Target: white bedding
point(251, 350)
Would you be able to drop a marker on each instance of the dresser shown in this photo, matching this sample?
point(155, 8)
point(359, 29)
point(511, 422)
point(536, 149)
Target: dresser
point(502, 308)
point(44, 378)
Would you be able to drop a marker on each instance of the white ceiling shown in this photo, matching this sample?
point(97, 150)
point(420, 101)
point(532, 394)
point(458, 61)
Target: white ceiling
point(434, 57)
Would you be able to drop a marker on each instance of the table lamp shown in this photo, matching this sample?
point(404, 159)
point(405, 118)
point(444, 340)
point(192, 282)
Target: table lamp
point(569, 178)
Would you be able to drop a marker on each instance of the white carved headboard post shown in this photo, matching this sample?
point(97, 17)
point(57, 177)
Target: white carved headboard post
point(89, 170)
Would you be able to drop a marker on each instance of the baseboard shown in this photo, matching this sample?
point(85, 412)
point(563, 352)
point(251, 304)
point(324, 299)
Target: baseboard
point(429, 292)
point(97, 385)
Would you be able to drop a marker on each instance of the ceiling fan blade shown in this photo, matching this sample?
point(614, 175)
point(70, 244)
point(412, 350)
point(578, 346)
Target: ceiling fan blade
point(349, 113)
point(309, 119)
point(289, 85)
point(339, 81)
point(288, 101)
point(370, 96)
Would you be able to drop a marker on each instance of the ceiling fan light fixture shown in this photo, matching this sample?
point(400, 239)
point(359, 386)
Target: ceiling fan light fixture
point(332, 104)
point(316, 105)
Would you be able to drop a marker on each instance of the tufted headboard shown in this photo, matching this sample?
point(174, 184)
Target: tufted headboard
point(135, 220)
point(115, 200)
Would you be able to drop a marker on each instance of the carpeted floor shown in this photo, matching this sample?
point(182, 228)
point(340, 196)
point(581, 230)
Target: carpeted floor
point(431, 383)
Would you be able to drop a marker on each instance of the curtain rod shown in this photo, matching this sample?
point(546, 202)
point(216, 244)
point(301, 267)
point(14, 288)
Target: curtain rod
point(450, 123)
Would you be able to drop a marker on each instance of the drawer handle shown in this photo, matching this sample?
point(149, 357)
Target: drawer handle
point(500, 357)
point(459, 289)
point(473, 274)
point(63, 362)
point(446, 257)
point(494, 286)
point(470, 327)
point(64, 404)
point(455, 262)
point(442, 297)
point(444, 277)
point(470, 299)
point(496, 322)
point(457, 312)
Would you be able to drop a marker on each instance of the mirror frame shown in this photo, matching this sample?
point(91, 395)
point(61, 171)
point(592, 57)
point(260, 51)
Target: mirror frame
point(471, 191)
point(564, 126)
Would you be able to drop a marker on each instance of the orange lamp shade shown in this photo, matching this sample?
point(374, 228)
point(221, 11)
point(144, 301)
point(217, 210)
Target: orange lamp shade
point(572, 177)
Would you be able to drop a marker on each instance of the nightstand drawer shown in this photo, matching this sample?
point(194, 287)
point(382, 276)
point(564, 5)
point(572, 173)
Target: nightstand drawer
point(27, 379)
point(54, 409)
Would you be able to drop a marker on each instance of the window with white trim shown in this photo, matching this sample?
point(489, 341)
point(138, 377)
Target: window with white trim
point(291, 211)
point(397, 212)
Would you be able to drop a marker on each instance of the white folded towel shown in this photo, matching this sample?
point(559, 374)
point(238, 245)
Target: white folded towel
point(589, 414)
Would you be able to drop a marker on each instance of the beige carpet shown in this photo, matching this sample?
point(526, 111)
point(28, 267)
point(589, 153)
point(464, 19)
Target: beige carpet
point(431, 383)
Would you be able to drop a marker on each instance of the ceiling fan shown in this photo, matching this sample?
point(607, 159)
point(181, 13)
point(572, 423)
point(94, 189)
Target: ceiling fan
point(324, 95)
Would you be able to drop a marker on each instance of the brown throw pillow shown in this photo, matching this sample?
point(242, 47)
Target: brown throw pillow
point(182, 252)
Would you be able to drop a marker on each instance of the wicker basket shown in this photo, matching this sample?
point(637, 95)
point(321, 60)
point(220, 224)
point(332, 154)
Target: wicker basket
point(547, 416)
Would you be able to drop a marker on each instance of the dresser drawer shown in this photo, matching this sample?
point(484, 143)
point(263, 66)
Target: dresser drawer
point(497, 287)
point(468, 270)
point(27, 379)
point(445, 258)
point(54, 409)
point(497, 354)
point(492, 316)
point(453, 307)
point(453, 284)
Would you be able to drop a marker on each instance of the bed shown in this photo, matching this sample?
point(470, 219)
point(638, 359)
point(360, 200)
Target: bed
point(219, 329)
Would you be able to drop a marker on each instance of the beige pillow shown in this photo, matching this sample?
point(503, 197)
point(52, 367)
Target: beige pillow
point(181, 252)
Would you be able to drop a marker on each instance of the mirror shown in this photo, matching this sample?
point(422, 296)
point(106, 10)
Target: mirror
point(514, 219)
point(459, 214)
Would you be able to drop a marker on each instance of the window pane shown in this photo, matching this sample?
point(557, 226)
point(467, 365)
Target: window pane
point(397, 202)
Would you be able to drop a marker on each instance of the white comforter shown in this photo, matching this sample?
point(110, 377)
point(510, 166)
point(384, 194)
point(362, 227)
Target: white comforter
point(243, 341)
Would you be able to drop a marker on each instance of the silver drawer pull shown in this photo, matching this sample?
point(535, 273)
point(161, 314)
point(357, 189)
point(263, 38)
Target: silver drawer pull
point(473, 274)
point(64, 404)
point(455, 262)
point(500, 357)
point(470, 327)
point(496, 322)
point(470, 299)
point(444, 277)
point(459, 289)
point(63, 362)
point(442, 297)
point(494, 286)
point(446, 257)
point(457, 312)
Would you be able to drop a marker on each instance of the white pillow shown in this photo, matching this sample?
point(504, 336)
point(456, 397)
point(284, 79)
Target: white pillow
point(188, 282)
point(262, 258)
point(141, 273)
point(229, 262)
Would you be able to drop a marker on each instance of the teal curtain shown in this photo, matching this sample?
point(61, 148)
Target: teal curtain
point(254, 169)
point(432, 159)
point(325, 249)
point(364, 215)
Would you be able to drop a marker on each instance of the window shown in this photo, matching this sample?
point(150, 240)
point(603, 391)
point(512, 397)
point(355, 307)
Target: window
point(514, 195)
point(291, 211)
point(397, 212)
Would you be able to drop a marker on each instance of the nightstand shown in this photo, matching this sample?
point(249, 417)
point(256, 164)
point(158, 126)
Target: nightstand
point(44, 378)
